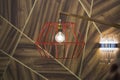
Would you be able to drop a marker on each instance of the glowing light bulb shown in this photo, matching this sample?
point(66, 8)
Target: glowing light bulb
point(60, 37)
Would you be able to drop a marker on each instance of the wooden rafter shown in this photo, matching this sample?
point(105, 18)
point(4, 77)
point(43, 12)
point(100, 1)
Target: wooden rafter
point(91, 19)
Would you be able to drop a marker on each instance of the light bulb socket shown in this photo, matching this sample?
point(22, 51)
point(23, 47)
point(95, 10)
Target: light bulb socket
point(60, 26)
point(60, 30)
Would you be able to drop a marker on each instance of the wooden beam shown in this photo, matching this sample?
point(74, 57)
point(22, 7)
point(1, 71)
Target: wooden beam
point(91, 19)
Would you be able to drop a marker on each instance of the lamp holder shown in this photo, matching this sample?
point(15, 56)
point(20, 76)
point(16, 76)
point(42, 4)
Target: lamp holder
point(60, 26)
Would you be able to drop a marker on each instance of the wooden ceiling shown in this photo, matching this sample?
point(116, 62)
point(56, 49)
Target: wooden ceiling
point(21, 22)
